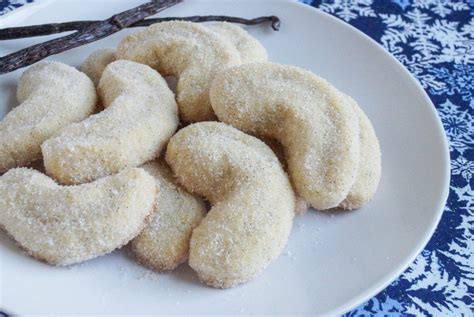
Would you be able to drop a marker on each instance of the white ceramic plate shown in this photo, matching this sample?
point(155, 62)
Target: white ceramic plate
point(333, 261)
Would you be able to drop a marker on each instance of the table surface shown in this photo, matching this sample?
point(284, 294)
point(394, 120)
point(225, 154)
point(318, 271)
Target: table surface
point(434, 39)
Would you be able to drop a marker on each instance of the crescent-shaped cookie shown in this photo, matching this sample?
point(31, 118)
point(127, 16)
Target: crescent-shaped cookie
point(140, 116)
point(51, 95)
point(62, 225)
point(251, 197)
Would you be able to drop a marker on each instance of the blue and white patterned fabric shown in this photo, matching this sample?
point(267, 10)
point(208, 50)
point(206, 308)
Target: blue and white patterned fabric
point(434, 39)
point(10, 5)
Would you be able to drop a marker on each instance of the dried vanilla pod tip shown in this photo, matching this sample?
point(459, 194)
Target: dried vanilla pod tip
point(313, 121)
point(164, 243)
point(51, 95)
point(63, 225)
point(251, 197)
point(189, 51)
point(139, 118)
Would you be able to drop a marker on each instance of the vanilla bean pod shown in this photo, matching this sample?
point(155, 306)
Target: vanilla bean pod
point(53, 28)
point(274, 20)
point(90, 33)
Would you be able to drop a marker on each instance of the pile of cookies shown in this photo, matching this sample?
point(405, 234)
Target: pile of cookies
point(128, 162)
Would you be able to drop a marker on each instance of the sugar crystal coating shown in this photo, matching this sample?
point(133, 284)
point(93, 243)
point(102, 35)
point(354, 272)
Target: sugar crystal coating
point(368, 170)
point(251, 197)
point(95, 64)
point(249, 48)
point(191, 52)
point(370, 165)
point(301, 205)
point(68, 224)
point(51, 95)
point(164, 243)
point(140, 116)
point(307, 115)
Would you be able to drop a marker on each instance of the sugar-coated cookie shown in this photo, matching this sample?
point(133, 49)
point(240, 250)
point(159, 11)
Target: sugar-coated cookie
point(140, 116)
point(251, 197)
point(51, 95)
point(62, 225)
point(314, 122)
point(164, 243)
